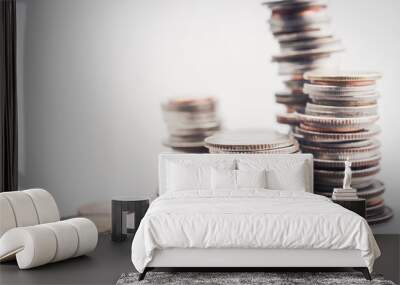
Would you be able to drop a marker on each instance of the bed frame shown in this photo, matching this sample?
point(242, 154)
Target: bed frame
point(242, 258)
point(256, 258)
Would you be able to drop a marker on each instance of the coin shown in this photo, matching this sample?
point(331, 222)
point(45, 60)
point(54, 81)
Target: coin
point(287, 118)
point(339, 90)
point(326, 137)
point(326, 180)
point(348, 101)
point(372, 202)
point(328, 184)
point(290, 98)
point(334, 77)
point(340, 111)
point(304, 35)
point(189, 121)
point(375, 189)
point(355, 163)
point(311, 53)
point(310, 44)
point(293, 67)
point(251, 140)
point(306, 43)
point(339, 174)
point(386, 214)
point(361, 154)
point(335, 124)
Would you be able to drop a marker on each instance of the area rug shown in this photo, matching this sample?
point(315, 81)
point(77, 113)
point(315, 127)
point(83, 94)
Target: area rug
point(268, 278)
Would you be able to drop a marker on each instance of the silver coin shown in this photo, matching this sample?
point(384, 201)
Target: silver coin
point(328, 184)
point(283, 4)
point(249, 140)
point(339, 174)
point(304, 65)
point(336, 124)
point(285, 150)
point(342, 156)
point(304, 35)
point(374, 202)
point(342, 76)
point(334, 89)
point(341, 112)
point(374, 188)
point(287, 118)
point(375, 211)
point(316, 15)
point(387, 214)
point(342, 145)
point(189, 104)
point(298, 24)
point(310, 44)
point(295, 55)
point(344, 101)
point(336, 164)
point(193, 132)
point(189, 116)
point(295, 86)
point(291, 98)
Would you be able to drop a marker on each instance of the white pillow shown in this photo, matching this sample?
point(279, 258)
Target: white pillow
point(187, 177)
point(251, 178)
point(223, 179)
point(193, 174)
point(282, 174)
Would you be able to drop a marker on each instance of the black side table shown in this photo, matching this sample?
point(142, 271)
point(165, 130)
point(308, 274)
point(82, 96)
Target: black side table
point(358, 206)
point(122, 210)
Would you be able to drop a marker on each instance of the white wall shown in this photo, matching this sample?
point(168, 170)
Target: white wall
point(94, 72)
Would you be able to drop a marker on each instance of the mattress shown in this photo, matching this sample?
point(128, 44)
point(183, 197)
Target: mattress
point(252, 219)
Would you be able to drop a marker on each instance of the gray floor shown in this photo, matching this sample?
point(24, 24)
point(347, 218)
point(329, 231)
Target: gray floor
point(103, 266)
point(110, 260)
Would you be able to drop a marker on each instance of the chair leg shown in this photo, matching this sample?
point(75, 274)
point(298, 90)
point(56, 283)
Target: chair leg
point(364, 271)
point(143, 274)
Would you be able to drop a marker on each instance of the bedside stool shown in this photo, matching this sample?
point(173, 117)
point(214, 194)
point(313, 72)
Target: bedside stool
point(126, 214)
point(358, 206)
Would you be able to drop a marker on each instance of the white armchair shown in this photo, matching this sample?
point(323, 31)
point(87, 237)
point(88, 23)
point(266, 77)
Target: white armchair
point(31, 230)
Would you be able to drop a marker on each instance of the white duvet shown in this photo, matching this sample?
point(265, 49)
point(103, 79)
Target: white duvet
point(250, 219)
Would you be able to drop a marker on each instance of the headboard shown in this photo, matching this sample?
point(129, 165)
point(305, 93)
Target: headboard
point(283, 165)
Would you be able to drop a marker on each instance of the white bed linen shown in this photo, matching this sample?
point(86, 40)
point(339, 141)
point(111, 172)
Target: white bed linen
point(250, 219)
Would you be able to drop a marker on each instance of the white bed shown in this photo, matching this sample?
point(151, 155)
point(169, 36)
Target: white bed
point(195, 224)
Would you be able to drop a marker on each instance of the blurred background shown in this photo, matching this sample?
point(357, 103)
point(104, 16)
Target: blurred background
point(92, 75)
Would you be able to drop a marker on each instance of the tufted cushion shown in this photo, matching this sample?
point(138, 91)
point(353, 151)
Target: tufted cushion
point(23, 208)
point(27, 208)
point(40, 244)
point(7, 220)
point(31, 230)
point(46, 207)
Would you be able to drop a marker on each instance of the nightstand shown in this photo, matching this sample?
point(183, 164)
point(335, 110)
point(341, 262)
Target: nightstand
point(127, 212)
point(358, 206)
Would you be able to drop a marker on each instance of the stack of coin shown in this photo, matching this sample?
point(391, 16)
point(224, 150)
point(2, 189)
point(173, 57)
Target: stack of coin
point(189, 121)
point(338, 124)
point(302, 30)
point(251, 141)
